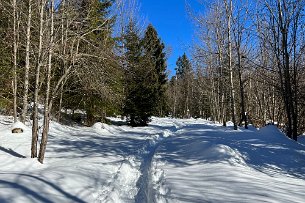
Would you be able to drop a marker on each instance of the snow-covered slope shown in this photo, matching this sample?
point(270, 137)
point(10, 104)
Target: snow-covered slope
point(171, 160)
point(208, 163)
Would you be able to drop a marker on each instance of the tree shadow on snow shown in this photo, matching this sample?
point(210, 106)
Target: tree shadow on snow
point(11, 152)
point(33, 189)
point(83, 145)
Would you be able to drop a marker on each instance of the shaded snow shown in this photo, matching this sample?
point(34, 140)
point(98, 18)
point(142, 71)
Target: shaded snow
point(171, 160)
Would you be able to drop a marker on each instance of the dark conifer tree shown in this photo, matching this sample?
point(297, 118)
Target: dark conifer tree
point(185, 78)
point(184, 66)
point(154, 53)
point(141, 80)
point(5, 60)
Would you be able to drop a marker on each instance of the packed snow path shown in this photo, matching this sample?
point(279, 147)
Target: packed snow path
point(171, 160)
point(146, 183)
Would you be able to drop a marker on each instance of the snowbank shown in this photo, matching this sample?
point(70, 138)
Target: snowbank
point(19, 127)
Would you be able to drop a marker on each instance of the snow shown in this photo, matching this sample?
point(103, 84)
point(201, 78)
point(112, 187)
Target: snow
point(171, 160)
point(18, 124)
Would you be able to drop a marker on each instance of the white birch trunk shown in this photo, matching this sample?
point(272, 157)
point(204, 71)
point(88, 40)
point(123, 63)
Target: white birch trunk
point(229, 10)
point(27, 64)
point(47, 106)
point(15, 49)
point(37, 76)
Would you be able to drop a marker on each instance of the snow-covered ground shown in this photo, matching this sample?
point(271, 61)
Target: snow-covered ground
point(171, 160)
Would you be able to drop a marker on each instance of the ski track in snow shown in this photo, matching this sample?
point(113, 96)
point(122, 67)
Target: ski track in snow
point(150, 183)
point(146, 174)
point(146, 191)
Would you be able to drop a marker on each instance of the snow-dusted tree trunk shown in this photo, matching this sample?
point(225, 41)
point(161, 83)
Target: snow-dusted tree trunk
point(27, 63)
point(37, 76)
point(47, 106)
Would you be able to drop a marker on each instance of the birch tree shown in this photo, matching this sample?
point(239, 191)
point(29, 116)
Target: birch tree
point(240, 36)
point(47, 104)
point(229, 13)
point(27, 63)
point(37, 79)
point(15, 49)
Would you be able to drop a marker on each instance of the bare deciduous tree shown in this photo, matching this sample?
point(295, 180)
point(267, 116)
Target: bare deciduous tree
point(47, 106)
point(37, 78)
point(27, 63)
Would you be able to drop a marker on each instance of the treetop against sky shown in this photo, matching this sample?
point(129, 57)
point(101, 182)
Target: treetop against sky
point(172, 21)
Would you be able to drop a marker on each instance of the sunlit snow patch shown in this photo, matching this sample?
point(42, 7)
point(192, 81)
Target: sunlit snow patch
point(102, 128)
point(167, 133)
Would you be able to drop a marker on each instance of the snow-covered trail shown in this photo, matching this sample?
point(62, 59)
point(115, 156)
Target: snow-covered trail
point(135, 147)
point(204, 162)
point(146, 183)
point(171, 160)
point(101, 163)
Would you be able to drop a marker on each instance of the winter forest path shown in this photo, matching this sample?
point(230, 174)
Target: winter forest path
point(146, 184)
point(206, 162)
point(170, 160)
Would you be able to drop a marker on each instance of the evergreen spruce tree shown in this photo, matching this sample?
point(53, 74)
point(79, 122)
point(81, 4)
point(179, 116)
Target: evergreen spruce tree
point(184, 67)
point(5, 61)
point(141, 80)
point(154, 53)
point(185, 77)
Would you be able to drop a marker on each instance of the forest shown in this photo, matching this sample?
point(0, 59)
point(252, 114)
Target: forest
point(83, 60)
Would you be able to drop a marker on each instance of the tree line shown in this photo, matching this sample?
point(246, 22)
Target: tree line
point(78, 55)
point(248, 65)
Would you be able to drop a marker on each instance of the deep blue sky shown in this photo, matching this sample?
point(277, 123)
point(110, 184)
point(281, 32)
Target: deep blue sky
point(173, 24)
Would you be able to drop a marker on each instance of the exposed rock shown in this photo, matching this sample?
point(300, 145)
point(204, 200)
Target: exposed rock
point(17, 130)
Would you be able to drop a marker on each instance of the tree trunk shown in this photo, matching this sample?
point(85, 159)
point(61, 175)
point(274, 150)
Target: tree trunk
point(60, 102)
point(222, 103)
point(242, 94)
point(37, 76)
point(48, 104)
point(238, 41)
point(64, 30)
point(27, 64)
point(175, 97)
point(295, 79)
point(15, 49)
point(229, 11)
point(288, 96)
